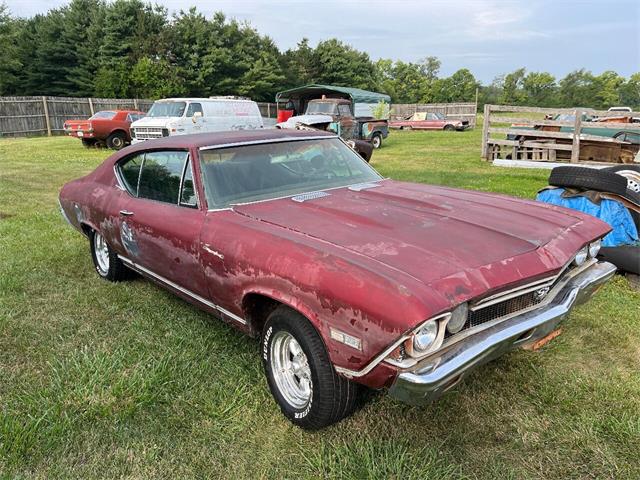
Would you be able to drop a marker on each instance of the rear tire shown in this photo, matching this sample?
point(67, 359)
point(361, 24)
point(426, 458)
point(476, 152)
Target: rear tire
point(88, 142)
point(116, 141)
point(105, 259)
point(300, 375)
point(376, 140)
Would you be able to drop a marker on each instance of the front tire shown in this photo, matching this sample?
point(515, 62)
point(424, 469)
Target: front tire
point(105, 260)
point(300, 375)
point(88, 142)
point(376, 140)
point(449, 128)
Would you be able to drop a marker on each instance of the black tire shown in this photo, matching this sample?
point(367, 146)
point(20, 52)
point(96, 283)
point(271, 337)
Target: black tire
point(449, 128)
point(332, 397)
point(376, 140)
point(625, 166)
point(625, 257)
point(89, 142)
point(117, 141)
point(588, 179)
point(116, 271)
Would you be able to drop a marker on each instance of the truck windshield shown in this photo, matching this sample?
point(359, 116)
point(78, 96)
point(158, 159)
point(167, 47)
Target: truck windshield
point(326, 108)
point(167, 109)
point(273, 170)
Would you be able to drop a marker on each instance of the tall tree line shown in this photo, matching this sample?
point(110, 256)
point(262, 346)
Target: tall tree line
point(128, 48)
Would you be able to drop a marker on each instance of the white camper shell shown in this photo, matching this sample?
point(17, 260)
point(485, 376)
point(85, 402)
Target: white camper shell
point(181, 116)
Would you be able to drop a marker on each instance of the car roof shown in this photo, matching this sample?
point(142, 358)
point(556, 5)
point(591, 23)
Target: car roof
point(213, 139)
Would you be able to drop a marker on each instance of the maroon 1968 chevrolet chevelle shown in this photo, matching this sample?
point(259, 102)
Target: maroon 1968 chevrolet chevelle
point(350, 279)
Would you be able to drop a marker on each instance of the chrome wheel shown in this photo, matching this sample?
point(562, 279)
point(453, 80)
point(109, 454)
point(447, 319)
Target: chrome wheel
point(291, 370)
point(101, 250)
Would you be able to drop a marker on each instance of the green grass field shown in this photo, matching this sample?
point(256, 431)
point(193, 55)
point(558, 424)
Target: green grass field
point(101, 380)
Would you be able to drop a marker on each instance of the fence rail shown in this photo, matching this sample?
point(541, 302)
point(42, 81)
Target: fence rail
point(529, 133)
point(20, 116)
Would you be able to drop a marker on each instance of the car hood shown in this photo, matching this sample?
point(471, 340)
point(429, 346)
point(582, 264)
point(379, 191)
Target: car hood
point(432, 233)
point(152, 122)
point(305, 120)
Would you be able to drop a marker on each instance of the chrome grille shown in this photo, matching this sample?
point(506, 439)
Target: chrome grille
point(147, 133)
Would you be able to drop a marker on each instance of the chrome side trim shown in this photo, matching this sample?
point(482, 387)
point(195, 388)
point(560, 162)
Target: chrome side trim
point(270, 140)
point(189, 293)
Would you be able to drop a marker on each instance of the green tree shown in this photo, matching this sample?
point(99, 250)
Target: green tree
point(340, 64)
point(577, 89)
point(10, 63)
point(150, 78)
point(629, 92)
point(459, 87)
point(540, 89)
point(512, 88)
point(607, 86)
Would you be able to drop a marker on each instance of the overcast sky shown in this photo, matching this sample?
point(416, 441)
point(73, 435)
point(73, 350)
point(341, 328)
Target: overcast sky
point(490, 37)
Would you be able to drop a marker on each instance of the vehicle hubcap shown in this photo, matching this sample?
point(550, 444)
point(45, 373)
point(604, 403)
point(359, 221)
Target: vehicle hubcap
point(101, 250)
point(117, 142)
point(291, 370)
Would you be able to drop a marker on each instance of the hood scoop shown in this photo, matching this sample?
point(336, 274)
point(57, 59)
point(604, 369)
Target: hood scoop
point(358, 187)
point(303, 197)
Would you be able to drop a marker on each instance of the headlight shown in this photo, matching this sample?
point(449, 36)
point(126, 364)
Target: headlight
point(424, 338)
point(458, 318)
point(581, 256)
point(594, 248)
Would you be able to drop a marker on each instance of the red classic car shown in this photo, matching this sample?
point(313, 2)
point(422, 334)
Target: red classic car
point(429, 121)
point(350, 279)
point(110, 127)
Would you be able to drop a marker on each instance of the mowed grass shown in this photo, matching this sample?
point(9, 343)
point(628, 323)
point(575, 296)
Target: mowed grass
point(101, 380)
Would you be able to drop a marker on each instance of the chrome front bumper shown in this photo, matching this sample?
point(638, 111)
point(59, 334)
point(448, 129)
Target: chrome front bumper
point(433, 376)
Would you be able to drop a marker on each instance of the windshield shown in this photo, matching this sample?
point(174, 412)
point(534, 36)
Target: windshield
point(167, 109)
point(104, 115)
point(273, 170)
point(326, 108)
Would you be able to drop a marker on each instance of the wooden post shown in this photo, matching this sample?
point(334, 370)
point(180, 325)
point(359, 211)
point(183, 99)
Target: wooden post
point(575, 148)
point(485, 131)
point(46, 115)
point(268, 109)
point(91, 107)
point(475, 111)
point(135, 103)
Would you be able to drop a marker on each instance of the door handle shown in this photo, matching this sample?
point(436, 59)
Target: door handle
point(126, 213)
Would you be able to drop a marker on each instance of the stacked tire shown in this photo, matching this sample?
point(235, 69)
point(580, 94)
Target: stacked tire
point(621, 180)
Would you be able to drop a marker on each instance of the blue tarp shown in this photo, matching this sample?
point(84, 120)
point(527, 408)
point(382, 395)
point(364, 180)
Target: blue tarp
point(614, 213)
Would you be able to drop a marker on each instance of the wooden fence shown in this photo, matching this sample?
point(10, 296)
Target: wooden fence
point(454, 111)
point(20, 116)
point(541, 134)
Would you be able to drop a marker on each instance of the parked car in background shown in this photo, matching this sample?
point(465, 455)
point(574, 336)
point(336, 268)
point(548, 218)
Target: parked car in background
point(429, 121)
point(107, 127)
point(181, 116)
point(349, 278)
point(349, 112)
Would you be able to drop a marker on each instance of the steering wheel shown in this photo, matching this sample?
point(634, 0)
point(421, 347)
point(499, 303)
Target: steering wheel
point(318, 163)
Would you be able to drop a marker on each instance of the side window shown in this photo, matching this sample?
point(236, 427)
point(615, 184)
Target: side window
point(431, 116)
point(130, 173)
point(344, 110)
point(188, 192)
point(193, 108)
point(160, 176)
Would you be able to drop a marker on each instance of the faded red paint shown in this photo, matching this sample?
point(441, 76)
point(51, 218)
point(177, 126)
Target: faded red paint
point(373, 263)
point(101, 128)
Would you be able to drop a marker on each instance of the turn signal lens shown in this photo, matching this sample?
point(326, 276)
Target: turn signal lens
point(594, 248)
point(581, 256)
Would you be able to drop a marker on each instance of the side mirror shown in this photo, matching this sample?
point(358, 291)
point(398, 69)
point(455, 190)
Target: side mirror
point(196, 116)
